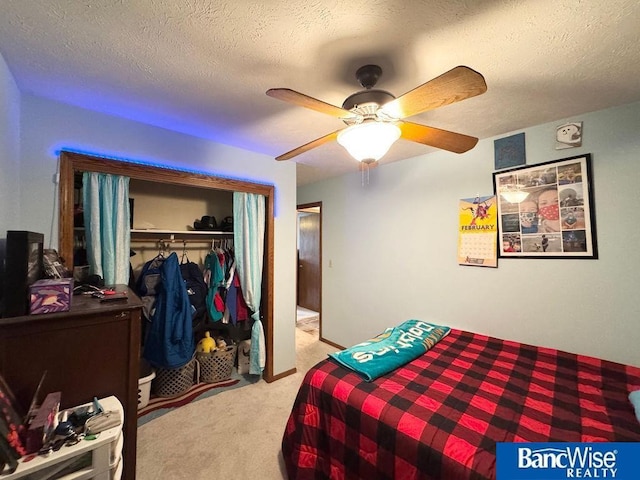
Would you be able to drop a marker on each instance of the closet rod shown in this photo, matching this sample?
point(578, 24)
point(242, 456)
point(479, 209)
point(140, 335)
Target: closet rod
point(173, 240)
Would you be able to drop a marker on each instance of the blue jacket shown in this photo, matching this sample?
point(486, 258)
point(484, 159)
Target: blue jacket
point(170, 342)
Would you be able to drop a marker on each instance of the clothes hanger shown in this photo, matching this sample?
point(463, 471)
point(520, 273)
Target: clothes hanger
point(184, 253)
point(160, 249)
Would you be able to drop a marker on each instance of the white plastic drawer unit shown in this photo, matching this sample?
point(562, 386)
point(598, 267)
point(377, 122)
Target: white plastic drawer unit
point(99, 459)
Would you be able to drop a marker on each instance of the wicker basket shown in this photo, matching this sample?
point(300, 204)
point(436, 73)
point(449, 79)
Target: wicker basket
point(171, 382)
point(217, 365)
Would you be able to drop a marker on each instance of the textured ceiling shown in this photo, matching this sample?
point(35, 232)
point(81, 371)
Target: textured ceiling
point(202, 67)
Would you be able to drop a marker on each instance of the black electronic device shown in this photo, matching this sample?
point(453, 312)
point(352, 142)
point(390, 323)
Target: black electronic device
point(23, 266)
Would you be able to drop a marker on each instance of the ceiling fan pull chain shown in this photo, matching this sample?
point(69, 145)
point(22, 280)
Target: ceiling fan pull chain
point(364, 167)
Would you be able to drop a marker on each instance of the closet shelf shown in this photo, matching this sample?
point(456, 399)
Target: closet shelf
point(170, 236)
point(179, 232)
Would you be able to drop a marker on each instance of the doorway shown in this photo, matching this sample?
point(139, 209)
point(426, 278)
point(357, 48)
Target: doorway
point(309, 274)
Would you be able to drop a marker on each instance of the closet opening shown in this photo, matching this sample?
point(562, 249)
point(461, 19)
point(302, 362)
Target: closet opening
point(309, 272)
point(188, 192)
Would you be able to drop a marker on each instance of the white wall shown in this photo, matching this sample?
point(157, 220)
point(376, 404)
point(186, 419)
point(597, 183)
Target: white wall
point(392, 246)
point(9, 151)
point(48, 126)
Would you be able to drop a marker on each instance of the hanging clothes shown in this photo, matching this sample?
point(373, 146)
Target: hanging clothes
point(214, 275)
point(170, 342)
point(235, 302)
point(196, 288)
point(231, 302)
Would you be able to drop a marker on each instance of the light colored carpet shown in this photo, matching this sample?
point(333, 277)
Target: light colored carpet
point(234, 434)
point(307, 320)
point(309, 325)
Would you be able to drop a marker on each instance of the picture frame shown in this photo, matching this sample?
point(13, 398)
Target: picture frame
point(547, 210)
point(509, 151)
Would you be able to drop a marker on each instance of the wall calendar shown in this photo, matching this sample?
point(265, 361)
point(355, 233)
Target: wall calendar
point(477, 232)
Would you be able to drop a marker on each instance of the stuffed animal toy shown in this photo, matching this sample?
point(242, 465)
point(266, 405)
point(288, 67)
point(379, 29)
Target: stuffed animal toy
point(206, 344)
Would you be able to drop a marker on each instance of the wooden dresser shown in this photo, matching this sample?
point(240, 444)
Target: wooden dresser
point(90, 351)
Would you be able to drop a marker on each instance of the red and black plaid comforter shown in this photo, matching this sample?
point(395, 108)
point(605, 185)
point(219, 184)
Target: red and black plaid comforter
point(440, 416)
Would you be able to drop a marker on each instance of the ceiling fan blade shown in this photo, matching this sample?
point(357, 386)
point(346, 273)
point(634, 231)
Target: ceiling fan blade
point(453, 86)
point(434, 137)
point(302, 100)
point(308, 146)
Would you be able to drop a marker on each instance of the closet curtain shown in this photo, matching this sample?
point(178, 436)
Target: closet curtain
point(248, 239)
point(106, 223)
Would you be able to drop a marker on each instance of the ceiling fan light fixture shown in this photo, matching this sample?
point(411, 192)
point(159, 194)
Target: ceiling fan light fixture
point(369, 141)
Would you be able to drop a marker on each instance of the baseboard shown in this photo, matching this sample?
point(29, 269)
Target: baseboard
point(329, 342)
point(280, 375)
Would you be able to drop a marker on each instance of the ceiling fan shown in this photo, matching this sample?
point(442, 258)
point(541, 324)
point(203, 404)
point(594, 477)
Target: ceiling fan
point(374, 117)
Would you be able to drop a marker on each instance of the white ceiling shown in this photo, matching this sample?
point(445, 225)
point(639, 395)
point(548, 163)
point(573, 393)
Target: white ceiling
point(202, 67)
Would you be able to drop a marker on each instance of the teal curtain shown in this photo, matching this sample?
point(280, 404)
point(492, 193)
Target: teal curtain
point(106, 223)
point(248, 239)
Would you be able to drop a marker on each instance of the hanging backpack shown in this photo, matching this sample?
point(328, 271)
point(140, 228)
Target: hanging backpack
point(196, 288)
point(149, 280)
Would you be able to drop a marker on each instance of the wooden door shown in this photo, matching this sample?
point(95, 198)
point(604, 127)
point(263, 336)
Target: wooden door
point(309, 260)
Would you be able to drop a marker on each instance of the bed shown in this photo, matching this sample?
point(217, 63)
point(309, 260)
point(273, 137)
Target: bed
point(440, 415)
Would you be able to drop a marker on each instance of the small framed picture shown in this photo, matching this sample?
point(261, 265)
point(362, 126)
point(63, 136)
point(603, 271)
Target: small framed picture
point(569, 135)
point(509, 151)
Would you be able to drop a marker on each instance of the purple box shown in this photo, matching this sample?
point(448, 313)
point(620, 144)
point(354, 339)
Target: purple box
point(50, 295)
